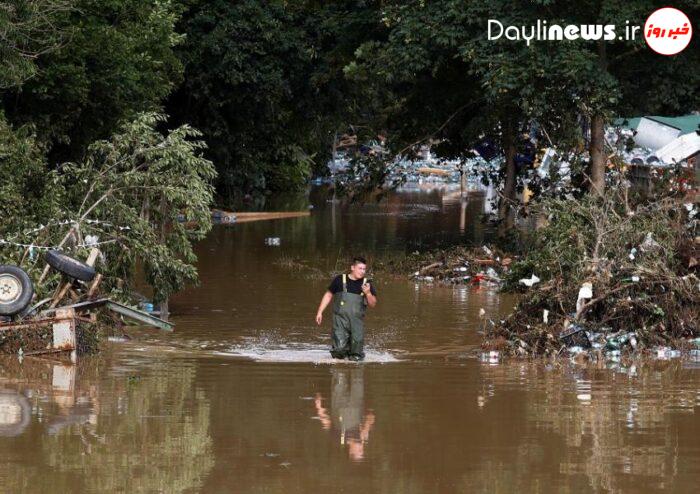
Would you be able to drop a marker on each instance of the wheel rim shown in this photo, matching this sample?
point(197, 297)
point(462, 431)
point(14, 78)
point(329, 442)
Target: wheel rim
point(10, 288)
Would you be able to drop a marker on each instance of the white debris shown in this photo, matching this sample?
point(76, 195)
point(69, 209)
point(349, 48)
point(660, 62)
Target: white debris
point(649, 244)
point(584, 293)
point(492, 274)
point(528, 282)
point(665, 353)
point(91, 240)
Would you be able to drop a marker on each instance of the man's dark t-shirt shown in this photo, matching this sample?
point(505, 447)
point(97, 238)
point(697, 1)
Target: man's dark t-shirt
point(354, 286)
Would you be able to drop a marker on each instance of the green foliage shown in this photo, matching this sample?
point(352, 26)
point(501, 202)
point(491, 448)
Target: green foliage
point(244, 64)
point(27, 187)
point(264, 81)
point(143, 183)
point(437, 76)
point(117, 59)
point(368, 176)
point(27, 29)
point(637, 257)
point(144, 195)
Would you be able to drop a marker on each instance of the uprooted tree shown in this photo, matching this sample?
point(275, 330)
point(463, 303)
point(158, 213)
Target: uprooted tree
point(142, 197)
point(608, 264)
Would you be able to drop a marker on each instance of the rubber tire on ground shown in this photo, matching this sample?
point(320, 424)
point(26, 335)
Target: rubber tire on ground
point(69, 266)
point(14, 279)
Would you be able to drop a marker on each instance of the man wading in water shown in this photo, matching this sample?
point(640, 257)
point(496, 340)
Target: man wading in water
point(351, 294)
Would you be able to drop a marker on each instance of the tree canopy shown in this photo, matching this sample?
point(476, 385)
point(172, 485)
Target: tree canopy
point(272, 85)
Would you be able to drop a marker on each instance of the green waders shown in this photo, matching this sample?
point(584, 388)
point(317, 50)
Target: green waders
point(348, 324)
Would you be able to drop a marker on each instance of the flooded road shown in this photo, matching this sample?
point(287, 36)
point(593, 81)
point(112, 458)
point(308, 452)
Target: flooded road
point(243, 397)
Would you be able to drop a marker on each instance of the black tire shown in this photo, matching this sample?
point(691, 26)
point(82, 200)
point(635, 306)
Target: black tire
point(16, 290)
point(69, 266)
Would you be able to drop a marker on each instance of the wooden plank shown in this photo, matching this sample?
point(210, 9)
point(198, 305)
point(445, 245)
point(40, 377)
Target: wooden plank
point(95, 284)
point(92, 257)
point(61, 293)
point(433, 171)
point(247, 217)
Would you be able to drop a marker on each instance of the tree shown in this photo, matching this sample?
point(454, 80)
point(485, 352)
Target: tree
point(27, 186)
point(448, 82)
point(148, 197)
point(28, 29)
point(265, 83)
point(142, 197)
point(116, 60)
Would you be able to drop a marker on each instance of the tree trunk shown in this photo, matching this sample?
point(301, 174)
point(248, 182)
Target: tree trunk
point(596, 149)
point(506, 214)
point(597, 152)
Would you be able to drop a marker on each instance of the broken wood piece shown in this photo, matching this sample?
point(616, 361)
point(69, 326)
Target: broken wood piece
point(433, 171)
point(92, 257)
point(60, 294)
point(260, 216)
point(63, 326)
point(430, 266)
point(94, 285)
point(485, 262)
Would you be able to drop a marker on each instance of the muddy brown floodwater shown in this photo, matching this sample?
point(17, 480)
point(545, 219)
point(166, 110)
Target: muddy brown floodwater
point(242, 397)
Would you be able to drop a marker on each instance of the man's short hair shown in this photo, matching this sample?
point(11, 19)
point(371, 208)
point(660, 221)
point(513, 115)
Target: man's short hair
point(358, 259)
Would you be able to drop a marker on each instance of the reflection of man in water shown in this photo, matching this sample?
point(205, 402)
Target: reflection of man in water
point(351, 294)
point(347, 408)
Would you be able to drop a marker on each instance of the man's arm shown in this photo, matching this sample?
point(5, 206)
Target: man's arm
point(371, 299)
point(325, 300)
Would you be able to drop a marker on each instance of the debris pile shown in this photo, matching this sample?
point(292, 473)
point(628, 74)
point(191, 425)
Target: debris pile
point(68, 321)
point(456, 265)
point(605, 278)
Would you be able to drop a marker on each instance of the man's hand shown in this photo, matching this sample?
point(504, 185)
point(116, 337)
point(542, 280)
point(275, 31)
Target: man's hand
point(327, 297)
point(366, 288)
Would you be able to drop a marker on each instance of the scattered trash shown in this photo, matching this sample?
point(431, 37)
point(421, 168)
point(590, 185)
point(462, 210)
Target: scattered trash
point(584, 293)
point(492, 274)
point(493, 357)
point(273, 241)
point(649, 244)
point(458, 265)
point(575, 350)
point(575, 336)
point(528, 282)
point(665, 353)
